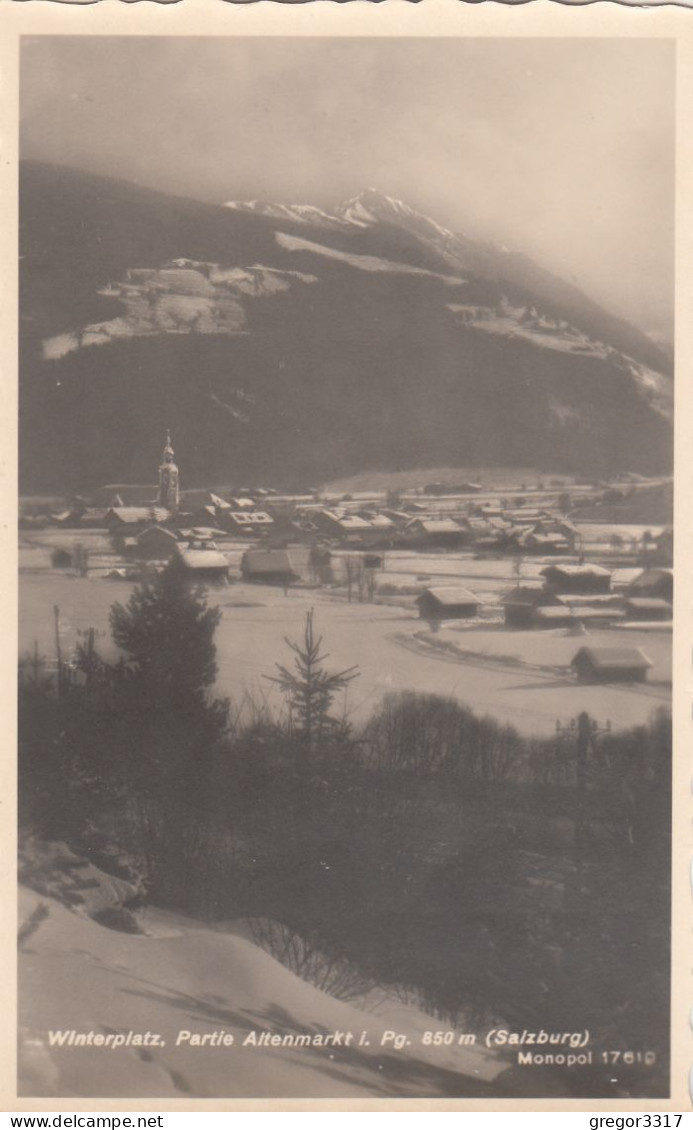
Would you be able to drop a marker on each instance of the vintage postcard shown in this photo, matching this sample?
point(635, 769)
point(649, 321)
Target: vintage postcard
point(351, 670)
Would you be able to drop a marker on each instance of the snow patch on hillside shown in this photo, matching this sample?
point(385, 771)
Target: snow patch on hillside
point(257, 281)
point(183, 296)
point(370, 263)
point(526, 324)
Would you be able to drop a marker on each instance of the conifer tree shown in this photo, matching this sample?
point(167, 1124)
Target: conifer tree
point(309, 688)
point(166, 631)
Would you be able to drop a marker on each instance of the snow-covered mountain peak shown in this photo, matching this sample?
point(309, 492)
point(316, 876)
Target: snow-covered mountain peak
point(372, 206)
point(296, 213)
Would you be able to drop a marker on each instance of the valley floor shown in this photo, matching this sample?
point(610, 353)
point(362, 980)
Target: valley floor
point(389, 643)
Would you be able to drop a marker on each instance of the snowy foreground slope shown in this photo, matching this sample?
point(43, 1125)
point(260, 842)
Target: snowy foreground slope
point(183, 976)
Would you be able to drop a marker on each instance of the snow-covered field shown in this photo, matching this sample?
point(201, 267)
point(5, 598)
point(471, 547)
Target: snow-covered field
point(381, 640)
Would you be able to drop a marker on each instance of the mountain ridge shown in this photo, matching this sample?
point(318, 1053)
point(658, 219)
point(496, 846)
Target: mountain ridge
point(296, 350)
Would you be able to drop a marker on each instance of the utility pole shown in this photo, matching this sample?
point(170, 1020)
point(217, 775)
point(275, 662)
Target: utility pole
point(90, 657)
point(58, 650)
point(576, 741)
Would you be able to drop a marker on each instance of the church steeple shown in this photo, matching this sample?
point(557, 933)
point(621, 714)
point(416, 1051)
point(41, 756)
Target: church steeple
point(168, 479)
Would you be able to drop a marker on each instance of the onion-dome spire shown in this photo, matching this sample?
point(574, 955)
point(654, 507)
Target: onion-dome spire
point(168, 449)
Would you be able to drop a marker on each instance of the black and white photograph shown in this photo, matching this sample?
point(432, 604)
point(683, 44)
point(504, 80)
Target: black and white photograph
point(346, 482)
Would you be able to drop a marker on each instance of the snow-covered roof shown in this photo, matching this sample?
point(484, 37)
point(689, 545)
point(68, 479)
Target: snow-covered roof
point(648, 603)
point(577, 570)
point(605, 658)
point(450, 595)
point(437, 525)
point(267, 561)
point(131, 515)
point(203, 559)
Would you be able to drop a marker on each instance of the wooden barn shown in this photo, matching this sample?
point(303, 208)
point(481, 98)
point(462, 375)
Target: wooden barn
point(648, 608)
point(611, 665)
point(521, 603)
point(155, 544)
point(450, 602)
point(553, 616)
point(268, 567)
point(653, 583)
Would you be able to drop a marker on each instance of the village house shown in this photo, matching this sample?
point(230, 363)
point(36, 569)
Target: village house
point(658, 582)
point(622, 577)
point(242, 502)
point(199, 536)
point(341, 524)
point(554, 616)
point(91, 518)
point(535, 542)
point(379, 522)
point(436, 533)
point(202, 506)
point(399, 518)
point(190, 499)
point(522, 603)
point(611, 665)
point(524, 516)
point(268, 566)
point(155, 544)
point(577, 578)
point(562, 527)
point(487, 510)
point(247, 523)
point(202, 516)
point(134, 517)
point(448, 602)
point(124, 494)
point(208, 565)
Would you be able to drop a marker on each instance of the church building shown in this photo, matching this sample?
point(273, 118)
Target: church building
point(138, 500)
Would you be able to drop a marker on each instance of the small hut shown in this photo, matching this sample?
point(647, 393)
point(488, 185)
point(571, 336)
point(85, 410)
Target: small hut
point(61, 559)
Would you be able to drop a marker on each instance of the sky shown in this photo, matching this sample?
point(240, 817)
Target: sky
point(562, 149)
